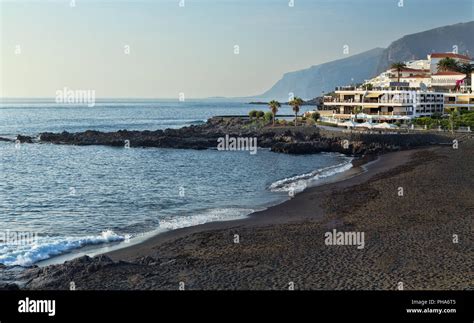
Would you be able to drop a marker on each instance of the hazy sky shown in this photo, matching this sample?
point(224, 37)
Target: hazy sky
point(190, 49)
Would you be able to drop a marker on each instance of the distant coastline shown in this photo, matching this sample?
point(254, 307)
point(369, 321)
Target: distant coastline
point(315, 101)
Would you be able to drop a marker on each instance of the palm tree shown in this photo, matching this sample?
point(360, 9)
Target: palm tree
point(452, 118)
point(466, 69)
point(448, 64)
point(274, 106)
point(296, 103)
point(399, 66)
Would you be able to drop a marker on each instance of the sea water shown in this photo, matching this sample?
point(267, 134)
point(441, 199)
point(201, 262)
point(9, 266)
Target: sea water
point(76, 197)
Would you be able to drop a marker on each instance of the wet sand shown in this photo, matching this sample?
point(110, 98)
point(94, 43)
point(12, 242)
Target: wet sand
point(408, 239)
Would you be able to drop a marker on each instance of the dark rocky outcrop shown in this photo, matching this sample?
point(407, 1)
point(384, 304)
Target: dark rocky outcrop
point(60, 276)
point(24, 139)
point(290, 140)
point(20, 138)
point(9, 286)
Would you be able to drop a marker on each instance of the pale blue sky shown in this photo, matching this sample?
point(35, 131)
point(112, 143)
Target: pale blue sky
point(190, 49)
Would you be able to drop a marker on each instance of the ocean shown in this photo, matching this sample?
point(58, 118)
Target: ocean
point(73, 199)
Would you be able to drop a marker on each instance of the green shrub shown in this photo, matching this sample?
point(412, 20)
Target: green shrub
point(462, 119)
point(322, 123)
point(268, 116)
point(253, 114)
point(466, 119)
point(315, 116)
point(260, 114)
point(423, 121)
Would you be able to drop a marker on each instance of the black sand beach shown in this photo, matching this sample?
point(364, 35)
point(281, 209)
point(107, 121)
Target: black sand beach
point(410, 240)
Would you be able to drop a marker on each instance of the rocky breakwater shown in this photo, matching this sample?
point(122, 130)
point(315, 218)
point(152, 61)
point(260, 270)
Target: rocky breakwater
point(291, 140)
point(356, 144)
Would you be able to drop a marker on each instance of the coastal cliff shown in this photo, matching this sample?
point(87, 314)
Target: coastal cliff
point(309, 82)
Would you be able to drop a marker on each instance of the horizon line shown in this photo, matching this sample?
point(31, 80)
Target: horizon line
point(132, 98)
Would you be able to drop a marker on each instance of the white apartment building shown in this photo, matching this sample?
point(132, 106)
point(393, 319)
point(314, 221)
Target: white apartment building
point(447, 79)
point(417, 81)
point(420, 64)
point(422, 74)
point(418, 90)
point(412, 77)
point(388, 105)
point(458, 101)
point(434, 59)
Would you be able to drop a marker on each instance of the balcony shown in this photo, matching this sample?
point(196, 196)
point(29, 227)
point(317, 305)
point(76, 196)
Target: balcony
point(362, 115)
point(370, 103)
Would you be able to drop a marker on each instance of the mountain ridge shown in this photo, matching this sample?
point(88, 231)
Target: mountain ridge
point(317, 79)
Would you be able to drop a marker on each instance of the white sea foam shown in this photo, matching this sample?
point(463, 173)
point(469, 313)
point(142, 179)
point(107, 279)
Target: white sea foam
point(209, 215)
point(299, 183)
point(47, 247)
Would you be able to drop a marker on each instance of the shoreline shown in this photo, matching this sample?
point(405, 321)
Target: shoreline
point(119, 251)
point(302, 140)
point(358, 167)
point(362, 166)
point(408, 239)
